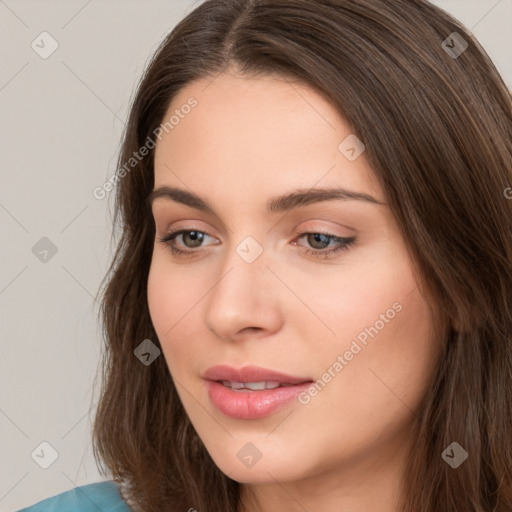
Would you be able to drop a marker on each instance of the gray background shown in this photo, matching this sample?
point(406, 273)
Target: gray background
point(60, 129)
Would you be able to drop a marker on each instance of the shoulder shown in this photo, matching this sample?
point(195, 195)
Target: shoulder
point(98, 497)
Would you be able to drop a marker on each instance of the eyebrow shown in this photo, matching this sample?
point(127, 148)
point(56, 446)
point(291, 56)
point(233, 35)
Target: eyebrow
point(286, 202)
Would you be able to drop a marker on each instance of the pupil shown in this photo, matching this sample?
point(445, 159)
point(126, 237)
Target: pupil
point(195, 236)
point(316, 237)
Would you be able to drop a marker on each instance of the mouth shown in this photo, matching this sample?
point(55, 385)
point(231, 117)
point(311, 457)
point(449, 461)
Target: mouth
point(253, 386)
point(252, 392)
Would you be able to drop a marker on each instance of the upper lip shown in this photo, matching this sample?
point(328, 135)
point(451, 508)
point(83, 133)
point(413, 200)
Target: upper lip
point(250, 374)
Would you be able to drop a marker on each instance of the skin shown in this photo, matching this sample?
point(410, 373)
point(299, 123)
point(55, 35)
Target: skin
point(247, 140)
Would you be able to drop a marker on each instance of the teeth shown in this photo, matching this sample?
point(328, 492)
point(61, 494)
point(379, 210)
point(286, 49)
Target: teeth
point(253, 386)
point(257, 386)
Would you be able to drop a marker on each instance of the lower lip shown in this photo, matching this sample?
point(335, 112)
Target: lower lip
point(251, 405)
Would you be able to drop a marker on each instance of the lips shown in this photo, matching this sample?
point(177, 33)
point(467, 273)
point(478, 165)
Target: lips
point(251, 392)
point(251, 374)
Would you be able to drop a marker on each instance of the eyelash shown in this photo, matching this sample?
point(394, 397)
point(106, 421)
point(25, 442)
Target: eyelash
point(345, 243)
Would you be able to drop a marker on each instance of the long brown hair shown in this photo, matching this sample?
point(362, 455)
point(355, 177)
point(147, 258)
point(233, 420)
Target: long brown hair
point(436, 119)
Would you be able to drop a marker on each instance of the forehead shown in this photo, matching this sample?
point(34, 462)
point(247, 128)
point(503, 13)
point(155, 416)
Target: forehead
point(254, 133)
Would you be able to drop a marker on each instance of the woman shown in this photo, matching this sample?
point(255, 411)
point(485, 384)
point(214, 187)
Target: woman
point(309, 306)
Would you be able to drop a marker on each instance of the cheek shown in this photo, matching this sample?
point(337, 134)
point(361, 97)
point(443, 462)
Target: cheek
point(162, 297)
point(166, 300)
point(368, 294)
point(392, 357)
point(383, 331)
point(174, 300)
point(171, 293)
point(375, 394)
point(410, 351)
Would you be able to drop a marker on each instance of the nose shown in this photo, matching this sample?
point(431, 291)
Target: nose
point(244, 299)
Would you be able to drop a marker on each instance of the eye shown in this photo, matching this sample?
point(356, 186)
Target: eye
point(194, 235)
point(323, 239)
point(319, 241)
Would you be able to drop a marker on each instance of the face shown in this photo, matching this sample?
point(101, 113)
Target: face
point(320, 291)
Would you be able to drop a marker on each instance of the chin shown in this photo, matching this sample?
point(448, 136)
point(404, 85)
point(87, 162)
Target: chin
point(247, 464)
point(260, 473)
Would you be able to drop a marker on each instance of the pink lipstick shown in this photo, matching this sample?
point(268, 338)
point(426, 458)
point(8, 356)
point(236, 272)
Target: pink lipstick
point(251, 392)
